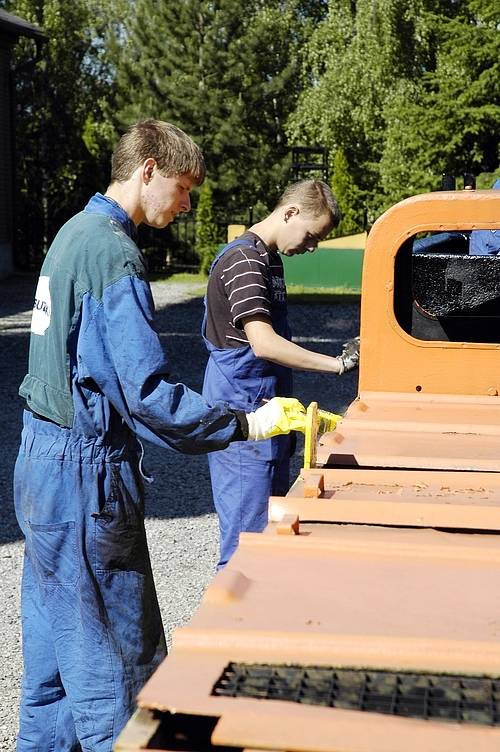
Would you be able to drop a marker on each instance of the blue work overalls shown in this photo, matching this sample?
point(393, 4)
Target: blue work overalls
point(92, 633)
point(244, 475)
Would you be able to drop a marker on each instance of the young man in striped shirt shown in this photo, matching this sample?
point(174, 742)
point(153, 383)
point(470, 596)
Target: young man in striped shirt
point(251, 353)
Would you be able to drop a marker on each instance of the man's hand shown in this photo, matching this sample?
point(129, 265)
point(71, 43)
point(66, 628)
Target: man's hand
point(349, 357)
point(279, 415)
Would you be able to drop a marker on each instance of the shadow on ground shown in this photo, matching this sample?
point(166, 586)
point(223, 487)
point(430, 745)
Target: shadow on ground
point(182, 486)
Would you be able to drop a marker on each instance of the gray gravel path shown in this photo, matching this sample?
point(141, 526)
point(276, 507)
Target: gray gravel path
point(181, 524)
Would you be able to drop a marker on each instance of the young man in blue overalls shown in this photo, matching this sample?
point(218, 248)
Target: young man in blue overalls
point(251, 354)
point(97, 379)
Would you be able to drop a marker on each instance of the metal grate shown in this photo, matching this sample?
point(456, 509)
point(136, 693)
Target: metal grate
point(467, 699)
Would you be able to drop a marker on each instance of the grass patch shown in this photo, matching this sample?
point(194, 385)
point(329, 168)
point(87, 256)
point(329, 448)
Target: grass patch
point(180, 277)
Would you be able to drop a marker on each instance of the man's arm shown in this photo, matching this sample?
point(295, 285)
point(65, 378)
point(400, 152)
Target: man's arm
point(268, 345)
point(120, 352)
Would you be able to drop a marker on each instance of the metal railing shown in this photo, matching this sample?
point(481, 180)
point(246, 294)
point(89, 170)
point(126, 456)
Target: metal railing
point(174, 248)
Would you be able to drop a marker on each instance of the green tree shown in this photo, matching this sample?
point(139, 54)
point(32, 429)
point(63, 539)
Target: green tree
point(206, 229)
point(348, 196)
point(449, 120)
point(357, 57)
point(227, 73)
point(59, 88)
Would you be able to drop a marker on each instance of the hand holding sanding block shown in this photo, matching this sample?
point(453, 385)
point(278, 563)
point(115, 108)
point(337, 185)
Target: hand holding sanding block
point(318, 422)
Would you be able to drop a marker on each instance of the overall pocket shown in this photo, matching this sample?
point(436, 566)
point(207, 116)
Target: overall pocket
point(52, 551)
point(120, 538)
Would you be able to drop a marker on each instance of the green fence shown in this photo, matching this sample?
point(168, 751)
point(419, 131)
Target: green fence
point(326, 267)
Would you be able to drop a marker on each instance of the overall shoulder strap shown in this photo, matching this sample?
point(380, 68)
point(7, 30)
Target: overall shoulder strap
point(233, 244)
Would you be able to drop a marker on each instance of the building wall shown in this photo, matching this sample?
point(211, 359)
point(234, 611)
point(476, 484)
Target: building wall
point(6, 255)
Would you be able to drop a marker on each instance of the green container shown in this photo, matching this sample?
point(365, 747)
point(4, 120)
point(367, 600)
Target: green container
point(326, 267)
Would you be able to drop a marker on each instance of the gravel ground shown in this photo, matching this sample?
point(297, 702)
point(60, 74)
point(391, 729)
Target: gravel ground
point(181, 523)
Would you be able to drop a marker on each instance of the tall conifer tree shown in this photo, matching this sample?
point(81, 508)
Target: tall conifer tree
point(225, 72)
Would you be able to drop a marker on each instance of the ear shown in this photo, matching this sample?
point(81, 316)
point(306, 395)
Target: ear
point(291, 211)
point(148, 168)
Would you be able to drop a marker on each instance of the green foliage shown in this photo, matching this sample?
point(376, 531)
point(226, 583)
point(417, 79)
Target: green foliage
point(406, 90)
point(354, 60)
point(398, 91)
point(228, 74)
point(348, 195)
point(59, 85)
point(260, 210)
point(486, 179)
point(206, 229)
point(449, 120)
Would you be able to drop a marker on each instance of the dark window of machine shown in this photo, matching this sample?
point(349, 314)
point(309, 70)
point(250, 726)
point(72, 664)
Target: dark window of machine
point(447, 286)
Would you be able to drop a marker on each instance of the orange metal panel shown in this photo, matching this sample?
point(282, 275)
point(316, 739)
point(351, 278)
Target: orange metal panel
point(416, 498)
point(348, 731)
point(423, 594)
point(439, 431)
point(393, 361)
point(396, 599)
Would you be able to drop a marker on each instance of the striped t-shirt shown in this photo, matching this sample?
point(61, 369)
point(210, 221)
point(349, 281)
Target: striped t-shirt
point(244, 282)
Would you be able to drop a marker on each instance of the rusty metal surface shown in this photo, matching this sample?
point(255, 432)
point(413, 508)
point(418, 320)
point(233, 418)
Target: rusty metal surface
point(342, 596)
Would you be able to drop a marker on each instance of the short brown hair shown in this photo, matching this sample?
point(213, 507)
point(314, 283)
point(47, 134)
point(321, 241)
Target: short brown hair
point(174, 151)
point(314, 197)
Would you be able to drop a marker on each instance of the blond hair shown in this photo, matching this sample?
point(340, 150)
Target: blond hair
point(173, 150)
point(314, 198)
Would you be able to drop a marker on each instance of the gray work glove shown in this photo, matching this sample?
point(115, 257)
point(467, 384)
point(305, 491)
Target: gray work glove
point(349, 357)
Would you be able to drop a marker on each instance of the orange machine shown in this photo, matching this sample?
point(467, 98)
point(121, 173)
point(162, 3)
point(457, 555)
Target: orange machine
point(366, 618)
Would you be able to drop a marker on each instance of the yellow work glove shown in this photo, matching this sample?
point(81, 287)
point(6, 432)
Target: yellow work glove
point(279, 415)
